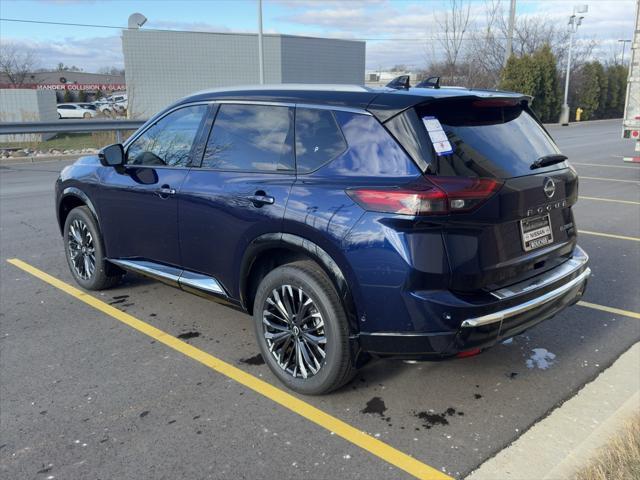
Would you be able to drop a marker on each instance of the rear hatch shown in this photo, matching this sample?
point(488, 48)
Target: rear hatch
point(520, 228)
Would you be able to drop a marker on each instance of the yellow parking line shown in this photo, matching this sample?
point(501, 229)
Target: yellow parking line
point(604, 165)
point(610, 235)
point(608, 179)
point(604, 308)
point(351, 434)
point(629, 202)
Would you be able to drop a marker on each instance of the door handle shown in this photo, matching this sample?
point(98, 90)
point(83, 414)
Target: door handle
point(165, 190)
point(259, 200)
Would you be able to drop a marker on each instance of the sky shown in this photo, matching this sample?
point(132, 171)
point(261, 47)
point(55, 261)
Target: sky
point(396, 31)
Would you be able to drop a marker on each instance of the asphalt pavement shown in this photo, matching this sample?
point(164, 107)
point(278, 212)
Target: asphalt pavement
point(83, 395)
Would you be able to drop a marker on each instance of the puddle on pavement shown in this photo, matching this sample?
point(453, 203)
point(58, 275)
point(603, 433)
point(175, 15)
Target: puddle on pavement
point(188, 335)
point(255, 360)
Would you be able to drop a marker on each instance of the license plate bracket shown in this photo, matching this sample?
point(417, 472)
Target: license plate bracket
point(536, 232)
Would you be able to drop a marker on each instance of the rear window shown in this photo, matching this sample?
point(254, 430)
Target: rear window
point(488, 139)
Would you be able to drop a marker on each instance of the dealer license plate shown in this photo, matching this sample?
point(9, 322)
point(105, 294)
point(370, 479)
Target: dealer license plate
point(536, 232)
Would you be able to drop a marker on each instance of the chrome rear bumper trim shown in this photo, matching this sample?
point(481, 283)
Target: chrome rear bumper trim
point(526, 306)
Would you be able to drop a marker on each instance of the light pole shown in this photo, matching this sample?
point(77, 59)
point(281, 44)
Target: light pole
point(260, 53)
point(574, 22)
point(624, 44)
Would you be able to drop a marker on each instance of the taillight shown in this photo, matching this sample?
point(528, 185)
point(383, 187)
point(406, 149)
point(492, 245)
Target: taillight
point(432, 196)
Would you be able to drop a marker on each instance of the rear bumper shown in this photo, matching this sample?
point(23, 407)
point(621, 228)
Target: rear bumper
point(508, 312)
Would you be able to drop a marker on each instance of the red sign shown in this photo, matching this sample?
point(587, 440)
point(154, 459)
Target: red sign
point(105, 87)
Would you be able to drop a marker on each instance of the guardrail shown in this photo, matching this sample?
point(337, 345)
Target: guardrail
point(70, 126)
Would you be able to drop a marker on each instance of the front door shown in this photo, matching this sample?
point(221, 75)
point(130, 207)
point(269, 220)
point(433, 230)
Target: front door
point(138, 203)
point(239, 192)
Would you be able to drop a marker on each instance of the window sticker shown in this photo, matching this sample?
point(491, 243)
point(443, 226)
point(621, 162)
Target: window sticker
point(437, 135)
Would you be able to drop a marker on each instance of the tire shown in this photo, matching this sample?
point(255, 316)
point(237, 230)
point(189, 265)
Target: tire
point(83, 242)
point(294, 284)
point(86, 116)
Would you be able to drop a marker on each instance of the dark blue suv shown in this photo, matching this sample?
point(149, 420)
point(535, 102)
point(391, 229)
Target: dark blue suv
point(417, 223)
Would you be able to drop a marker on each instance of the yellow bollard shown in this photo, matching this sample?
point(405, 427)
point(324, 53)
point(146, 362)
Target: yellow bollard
point(578, 113)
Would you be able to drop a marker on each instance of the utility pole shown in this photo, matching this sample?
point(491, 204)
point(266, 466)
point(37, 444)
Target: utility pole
point(512, 20)
point(624, 44)
point(574, 22)
point(260, 52)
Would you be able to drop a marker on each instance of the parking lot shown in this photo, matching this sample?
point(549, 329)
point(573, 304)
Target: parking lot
point(85, 395)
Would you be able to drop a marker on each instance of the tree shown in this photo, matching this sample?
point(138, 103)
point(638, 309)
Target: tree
point(616, 90)
point(535, 75)
point(67, 96)
point(61, 67)
point(111, 71)
point(82, 96)
point(17, 63)
point(588, 90)
point(454, 23)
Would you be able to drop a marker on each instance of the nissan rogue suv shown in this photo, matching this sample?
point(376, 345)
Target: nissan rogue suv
point(419, 223)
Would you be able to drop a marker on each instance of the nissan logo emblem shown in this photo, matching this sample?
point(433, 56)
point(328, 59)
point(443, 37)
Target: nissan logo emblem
point(549, 187)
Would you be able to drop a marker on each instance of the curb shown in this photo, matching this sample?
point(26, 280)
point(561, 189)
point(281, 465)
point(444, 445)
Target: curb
point(559, 445)
point(42, 158)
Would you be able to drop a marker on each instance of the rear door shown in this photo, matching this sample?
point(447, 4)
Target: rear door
point(527, 227)
point(240, 190)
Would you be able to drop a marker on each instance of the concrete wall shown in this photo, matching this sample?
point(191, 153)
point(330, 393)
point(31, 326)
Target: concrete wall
point(165, 66)
point(322, 60)
point(26, 105)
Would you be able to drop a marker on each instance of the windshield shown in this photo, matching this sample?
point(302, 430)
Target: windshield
point(489, 138)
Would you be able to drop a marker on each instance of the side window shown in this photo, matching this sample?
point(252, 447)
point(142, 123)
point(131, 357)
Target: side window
point(318, 138)
point(251, 138)
point(168, 142)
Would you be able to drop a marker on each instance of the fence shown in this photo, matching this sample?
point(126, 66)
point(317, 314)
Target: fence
point(71, 126)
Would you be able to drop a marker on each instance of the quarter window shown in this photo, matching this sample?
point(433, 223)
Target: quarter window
point(318, 138)
point(168, 142)
point(251, 138)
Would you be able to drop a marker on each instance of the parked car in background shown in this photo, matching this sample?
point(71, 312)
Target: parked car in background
point(104, 107)
point(74, 110)
point(90, 106)
point(418, 223)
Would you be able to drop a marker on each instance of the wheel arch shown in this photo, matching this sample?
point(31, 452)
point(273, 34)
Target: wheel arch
point(269, 251)
point(71, 198)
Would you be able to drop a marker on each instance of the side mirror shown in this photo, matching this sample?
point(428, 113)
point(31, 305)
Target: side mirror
point(112, 155)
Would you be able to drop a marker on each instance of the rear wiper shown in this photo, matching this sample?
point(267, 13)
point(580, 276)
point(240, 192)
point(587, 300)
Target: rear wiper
point(548, 160)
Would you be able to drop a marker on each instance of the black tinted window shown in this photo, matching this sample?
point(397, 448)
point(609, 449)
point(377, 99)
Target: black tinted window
point(489, 139)
point(318, 138)
point(251, 138)
point(168, 142)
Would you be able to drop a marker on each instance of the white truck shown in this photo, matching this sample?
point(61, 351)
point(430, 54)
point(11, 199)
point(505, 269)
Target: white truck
point(631, 120)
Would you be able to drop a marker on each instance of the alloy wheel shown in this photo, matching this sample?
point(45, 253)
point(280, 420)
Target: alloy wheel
point(82, 250)
point(294, 331)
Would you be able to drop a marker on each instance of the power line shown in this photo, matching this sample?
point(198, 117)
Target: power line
point(114, 27)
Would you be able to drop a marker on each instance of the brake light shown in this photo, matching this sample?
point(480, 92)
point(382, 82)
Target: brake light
point(432, 196)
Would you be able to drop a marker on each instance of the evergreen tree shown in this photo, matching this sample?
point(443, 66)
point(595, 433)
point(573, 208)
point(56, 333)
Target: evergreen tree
point(535, 75)
point(602, 79)
point(82, 96)
point(588, 94)
point(67, 96)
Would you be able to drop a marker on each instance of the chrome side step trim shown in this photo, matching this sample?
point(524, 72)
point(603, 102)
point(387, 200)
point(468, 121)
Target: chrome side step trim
point(154, 270)
point(173, 276)
point(200, 282)
point(526, 306)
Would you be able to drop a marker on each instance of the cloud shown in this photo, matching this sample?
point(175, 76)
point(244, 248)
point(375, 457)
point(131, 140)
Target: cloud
point(87, 53)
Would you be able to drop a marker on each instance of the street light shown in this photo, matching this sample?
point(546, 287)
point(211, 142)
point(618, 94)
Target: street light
point(624, 44)
point(575, 21)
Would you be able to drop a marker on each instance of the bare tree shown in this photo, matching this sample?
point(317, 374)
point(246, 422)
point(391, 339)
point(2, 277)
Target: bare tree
point(17, 63)
point(454, 23)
